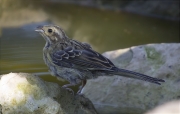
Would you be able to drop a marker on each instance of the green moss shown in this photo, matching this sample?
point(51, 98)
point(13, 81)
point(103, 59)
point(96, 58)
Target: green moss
point(152, 53)
point(32, 80)
point(154, 57)
point(13, 102)
point(34, 90)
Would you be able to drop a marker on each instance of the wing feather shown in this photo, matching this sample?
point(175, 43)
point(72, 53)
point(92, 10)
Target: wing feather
point(81, 59)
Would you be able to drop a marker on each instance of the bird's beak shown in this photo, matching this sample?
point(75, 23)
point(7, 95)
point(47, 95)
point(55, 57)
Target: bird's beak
point(39, 29)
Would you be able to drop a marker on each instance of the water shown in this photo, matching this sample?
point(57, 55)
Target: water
point(21, 47)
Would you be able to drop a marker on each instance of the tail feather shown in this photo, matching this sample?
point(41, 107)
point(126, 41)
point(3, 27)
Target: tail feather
point(135, 75)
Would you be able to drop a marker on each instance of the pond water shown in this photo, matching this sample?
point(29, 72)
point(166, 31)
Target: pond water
point(21, 47)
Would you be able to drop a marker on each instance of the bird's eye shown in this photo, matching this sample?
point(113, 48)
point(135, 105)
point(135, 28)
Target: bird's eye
point(50, 30)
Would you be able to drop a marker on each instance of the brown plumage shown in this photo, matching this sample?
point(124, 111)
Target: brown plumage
point(76, 62)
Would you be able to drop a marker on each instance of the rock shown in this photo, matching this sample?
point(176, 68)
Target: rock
point(116, 94)
point(167, 108)
point(168, 9)
point(23, 93)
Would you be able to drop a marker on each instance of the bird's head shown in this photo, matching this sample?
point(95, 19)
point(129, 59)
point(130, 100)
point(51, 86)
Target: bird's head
point(52, 33)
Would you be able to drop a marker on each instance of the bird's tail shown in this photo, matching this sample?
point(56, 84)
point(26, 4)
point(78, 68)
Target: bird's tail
point(135, 75)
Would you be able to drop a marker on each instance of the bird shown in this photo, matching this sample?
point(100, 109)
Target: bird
point(76, 62)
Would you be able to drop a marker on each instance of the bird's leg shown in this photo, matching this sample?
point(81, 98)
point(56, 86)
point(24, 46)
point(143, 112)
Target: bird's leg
point(69, 89)
point(82, 86)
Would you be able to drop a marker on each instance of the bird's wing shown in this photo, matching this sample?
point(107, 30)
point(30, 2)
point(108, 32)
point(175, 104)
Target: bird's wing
point(85, 59)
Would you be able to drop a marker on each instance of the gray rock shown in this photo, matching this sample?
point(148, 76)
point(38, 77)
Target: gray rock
point(116, 94)
point(23, 93)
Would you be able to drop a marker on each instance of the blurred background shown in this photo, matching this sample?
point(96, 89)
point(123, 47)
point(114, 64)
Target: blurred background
point(105, 24)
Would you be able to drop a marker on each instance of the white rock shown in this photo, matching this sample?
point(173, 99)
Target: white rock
point(115, 95)
point(23, 93)
point(172, 107)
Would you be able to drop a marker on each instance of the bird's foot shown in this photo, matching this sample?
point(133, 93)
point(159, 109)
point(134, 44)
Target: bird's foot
point(79, 91)
point(81, 87)
point(69, 90)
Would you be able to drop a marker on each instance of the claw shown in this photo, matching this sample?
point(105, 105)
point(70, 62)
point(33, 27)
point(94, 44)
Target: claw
point(68, 89)
point(81, 87)
point(64, 86)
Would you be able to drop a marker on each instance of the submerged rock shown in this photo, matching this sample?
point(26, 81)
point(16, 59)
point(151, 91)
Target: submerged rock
point(23, 93)
point(116, 94)
point(168, 9)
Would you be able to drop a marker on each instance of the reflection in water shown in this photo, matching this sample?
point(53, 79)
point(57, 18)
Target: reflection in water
point(21, 47)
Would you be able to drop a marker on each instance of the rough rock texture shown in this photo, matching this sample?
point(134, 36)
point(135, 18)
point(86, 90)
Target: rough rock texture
point(116, 94)
point(22, 93)
point(172, 107)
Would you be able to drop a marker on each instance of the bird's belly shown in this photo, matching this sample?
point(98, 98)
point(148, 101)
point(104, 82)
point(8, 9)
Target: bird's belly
point(69, 74)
